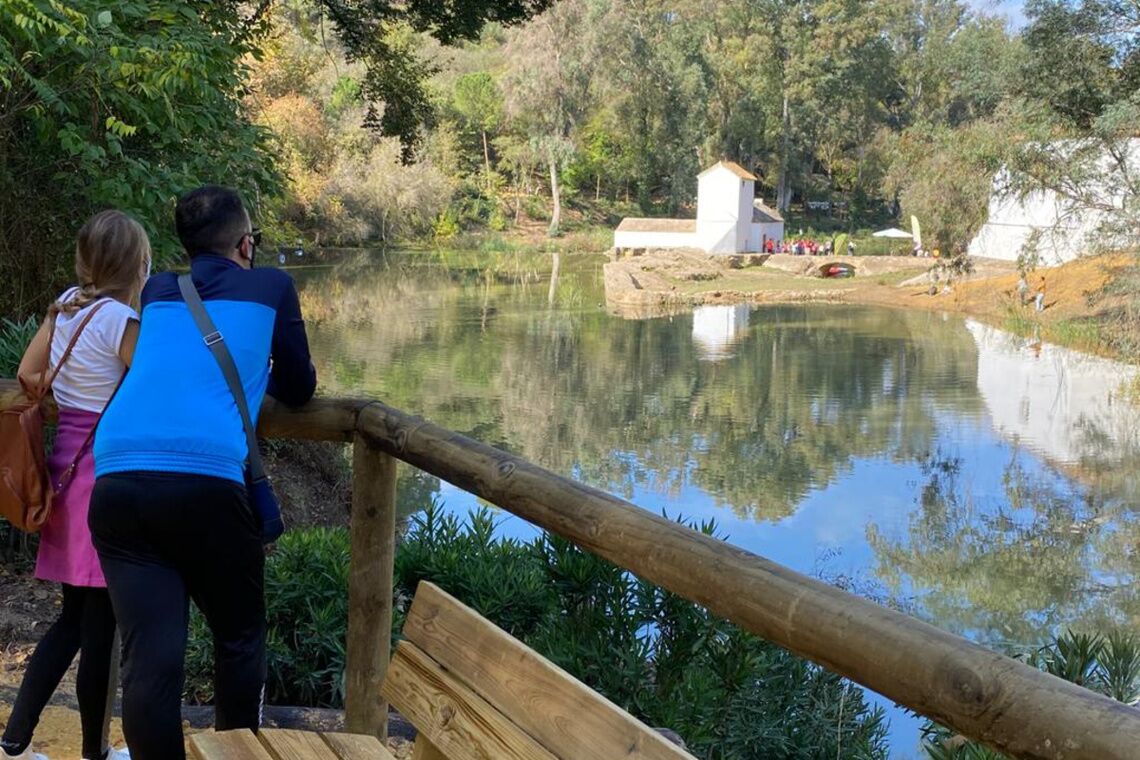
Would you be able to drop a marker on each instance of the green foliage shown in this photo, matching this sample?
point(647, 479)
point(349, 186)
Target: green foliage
point(15, 335)
point(124, 107)
point(306, 594)
point(478, 100)
point(446, 225)
point(665, 659)
point(670, 662)
point(944, 176)
point(378, 33)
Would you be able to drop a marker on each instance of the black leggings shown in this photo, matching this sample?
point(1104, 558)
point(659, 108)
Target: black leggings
point(86, 624)
point(164, 539)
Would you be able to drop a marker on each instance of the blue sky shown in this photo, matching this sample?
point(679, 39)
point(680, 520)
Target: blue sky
point(1014, 10)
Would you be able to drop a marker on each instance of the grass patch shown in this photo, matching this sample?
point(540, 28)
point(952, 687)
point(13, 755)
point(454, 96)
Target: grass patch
point(1080, 333)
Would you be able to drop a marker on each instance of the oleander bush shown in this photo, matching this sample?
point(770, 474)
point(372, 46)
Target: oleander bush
point(666, 660)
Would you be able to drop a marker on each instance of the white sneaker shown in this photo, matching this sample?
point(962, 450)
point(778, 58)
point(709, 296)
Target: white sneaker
point(27, 754)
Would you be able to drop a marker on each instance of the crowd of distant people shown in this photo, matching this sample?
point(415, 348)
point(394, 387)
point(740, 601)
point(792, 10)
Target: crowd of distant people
point(805, 247)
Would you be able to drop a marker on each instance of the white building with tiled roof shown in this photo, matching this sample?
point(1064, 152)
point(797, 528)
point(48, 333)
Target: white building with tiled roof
point(729, 220)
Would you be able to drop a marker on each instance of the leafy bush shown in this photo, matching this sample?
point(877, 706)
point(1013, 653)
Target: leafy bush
point(306, 595)
point(14, 339)
point(122, 105)
point(663, 658)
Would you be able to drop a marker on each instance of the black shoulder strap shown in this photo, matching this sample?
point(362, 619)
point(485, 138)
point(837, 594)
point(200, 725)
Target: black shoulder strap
point(216, 343)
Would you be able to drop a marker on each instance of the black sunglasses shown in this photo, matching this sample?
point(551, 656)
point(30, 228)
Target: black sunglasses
point(255, 237)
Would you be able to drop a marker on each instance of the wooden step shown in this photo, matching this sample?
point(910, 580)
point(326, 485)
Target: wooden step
point(282, 744)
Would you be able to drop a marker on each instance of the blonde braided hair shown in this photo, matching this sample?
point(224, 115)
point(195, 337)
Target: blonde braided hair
point(112, 256)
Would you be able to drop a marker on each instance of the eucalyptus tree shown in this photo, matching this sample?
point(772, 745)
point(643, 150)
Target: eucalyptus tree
point(551, 64)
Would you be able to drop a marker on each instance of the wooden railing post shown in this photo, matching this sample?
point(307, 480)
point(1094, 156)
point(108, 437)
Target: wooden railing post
point(373, 527)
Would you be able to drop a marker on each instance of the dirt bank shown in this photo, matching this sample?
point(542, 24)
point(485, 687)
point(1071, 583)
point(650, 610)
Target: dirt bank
point(668, 281)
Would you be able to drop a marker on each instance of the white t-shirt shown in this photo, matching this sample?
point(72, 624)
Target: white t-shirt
point(92, 372)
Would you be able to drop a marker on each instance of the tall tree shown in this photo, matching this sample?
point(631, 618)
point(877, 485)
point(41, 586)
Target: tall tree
point(552, 62)
point(479, 102)
point(374, 32)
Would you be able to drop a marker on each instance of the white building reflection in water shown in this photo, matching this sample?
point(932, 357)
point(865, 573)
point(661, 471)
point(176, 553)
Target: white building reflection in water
point(716, 328)
point(1064, 404)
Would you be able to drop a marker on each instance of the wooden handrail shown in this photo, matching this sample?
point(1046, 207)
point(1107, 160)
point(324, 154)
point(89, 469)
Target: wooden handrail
point(983, 695)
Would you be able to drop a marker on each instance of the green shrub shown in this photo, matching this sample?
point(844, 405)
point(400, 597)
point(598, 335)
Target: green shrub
point(14, 338)
point(663, 658)
point(306, 596)
point(446, 225)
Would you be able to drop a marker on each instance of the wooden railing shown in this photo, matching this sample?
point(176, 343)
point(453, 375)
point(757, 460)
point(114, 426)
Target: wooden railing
point(983, 695)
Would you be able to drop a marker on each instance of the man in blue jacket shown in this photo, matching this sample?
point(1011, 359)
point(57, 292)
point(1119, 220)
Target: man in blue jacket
point(169, 513)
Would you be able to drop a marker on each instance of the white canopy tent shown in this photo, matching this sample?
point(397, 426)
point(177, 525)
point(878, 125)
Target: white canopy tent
point(893, 232)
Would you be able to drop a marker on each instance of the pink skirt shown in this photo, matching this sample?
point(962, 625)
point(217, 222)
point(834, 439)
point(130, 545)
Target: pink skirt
point(66, 554)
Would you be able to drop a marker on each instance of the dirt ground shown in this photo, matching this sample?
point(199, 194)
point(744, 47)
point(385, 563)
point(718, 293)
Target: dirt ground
point(662, 282)
point(58, 734)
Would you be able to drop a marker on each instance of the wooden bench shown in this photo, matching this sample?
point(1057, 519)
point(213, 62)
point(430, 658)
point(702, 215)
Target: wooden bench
point(473, 692)
point(282, 744)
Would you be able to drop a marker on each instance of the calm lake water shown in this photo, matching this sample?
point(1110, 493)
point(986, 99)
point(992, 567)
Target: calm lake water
point(977, 480)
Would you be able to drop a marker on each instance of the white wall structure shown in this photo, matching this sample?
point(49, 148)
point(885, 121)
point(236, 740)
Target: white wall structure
point(725, 220)
point(767, 224)
point(724, 207)
point(1056, 228)
point(1061, 235)
point(716, 328)
point(1063, 404)
point(656, 233)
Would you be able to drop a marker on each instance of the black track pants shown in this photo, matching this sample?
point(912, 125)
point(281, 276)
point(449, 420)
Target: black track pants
point(164, 539)
point(86, 625)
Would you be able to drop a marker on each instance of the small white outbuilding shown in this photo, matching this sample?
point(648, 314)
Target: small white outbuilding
point(729, 218)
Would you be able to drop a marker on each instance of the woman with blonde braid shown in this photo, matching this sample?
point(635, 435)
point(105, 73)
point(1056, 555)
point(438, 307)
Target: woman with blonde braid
point(98, 321)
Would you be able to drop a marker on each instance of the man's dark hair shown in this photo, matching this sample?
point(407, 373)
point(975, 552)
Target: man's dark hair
point(210, 219)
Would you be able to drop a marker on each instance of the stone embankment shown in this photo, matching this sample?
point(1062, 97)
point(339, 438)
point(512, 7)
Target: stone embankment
point(661, 281)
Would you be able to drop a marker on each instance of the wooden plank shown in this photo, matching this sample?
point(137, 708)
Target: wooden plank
point(357, 747)
point(423, 749)
point(286, 744)
point(566, 716)
point(983, 695)
point(459, 722)
point(227, 745)
point(373, 527)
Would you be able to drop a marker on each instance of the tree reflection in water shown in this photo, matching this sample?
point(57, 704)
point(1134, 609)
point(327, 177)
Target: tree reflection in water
point(792, 406)
point(1048, 553)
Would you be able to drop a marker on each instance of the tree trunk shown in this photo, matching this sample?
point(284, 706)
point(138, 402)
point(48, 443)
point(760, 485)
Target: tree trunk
point(486, 156)
point(598, 189)
point(554, 272)
point(555, 195)
point(783, 199)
